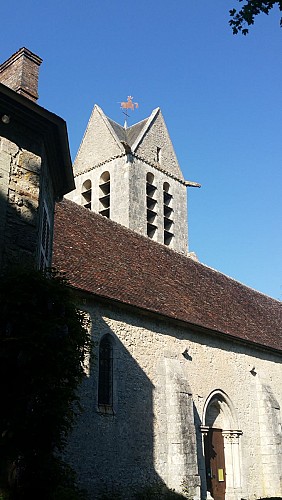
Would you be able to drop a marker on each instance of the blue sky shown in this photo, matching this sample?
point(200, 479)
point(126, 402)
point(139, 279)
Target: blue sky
point(220, 95)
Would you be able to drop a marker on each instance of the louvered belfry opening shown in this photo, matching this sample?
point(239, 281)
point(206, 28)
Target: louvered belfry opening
point(151, 205)
point(168, 214)
point(87, 194)
point(104, 194)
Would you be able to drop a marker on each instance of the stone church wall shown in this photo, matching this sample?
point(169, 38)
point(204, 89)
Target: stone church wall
point(164, 377)
point(138, 211)
point(158, 135)
point(119, 189)
point(128, 197)
point(98, 144)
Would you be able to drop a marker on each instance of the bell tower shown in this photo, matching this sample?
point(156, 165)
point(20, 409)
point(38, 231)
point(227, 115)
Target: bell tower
point(132, 176)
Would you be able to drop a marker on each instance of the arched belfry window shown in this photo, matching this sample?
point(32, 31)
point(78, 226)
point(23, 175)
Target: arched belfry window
point(151, 205)
point(104, 194)
point(86, 194)
point(105, 385)
point(168, 214)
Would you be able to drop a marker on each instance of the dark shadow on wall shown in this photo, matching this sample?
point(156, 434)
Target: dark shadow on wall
point(200, 453)
point(113, 451)
point(117, 450)
point(210, 339)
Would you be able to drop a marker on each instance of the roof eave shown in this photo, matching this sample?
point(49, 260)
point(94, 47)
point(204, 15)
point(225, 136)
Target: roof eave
point(53, 130)
point(175, 320)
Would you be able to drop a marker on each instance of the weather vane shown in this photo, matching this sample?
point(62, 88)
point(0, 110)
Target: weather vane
point(128, 105)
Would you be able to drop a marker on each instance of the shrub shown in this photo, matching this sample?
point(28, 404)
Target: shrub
point(43, 342)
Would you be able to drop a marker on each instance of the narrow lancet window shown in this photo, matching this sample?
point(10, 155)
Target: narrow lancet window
point(158, 155)
point(87, 194)
point(105, 386)
point(45, 240)
point(151, 206)
point(104, 194)
point(168, 214)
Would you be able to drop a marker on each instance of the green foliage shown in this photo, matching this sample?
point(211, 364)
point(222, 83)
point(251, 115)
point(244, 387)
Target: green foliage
point(245, 16)
point(43, 343)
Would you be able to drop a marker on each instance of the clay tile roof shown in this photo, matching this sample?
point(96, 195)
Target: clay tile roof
point(104, 258)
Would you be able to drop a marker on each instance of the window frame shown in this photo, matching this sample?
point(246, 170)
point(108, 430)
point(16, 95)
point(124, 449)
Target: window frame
point(105, 385)
point(45, 246)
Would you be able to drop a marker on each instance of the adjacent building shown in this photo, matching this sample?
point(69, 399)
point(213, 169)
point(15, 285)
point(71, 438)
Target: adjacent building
point(35, 165)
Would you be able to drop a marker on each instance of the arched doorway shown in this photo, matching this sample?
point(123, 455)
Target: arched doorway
point(221, 447)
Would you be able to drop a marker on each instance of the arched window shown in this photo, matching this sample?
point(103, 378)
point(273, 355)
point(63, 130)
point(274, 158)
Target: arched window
point(104, 194)
point(168, 211)
point(151, 205)
point(105, 384)
point(86, 194)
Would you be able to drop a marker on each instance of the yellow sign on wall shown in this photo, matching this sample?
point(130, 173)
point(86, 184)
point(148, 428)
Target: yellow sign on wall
point(220, 474)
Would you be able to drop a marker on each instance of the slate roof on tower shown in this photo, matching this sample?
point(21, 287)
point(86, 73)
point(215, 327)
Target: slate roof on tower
point(108, 260)
point(130, 134)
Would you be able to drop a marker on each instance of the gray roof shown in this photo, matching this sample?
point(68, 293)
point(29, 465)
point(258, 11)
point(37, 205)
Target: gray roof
point(133, 132)
point(119, 130)
point(130, 134)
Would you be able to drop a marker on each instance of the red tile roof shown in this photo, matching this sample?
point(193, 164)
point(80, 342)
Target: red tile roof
point(104, 258)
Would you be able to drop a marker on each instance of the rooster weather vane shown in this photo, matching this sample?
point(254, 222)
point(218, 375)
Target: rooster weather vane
point(126, 105)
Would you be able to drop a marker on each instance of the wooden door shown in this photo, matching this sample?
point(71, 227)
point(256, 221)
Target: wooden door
point(215, 464)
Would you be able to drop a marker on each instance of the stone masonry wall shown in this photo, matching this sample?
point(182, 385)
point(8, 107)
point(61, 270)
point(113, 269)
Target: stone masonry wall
point(138, 207)
point(128, 198)
point(119, 189)
point(158, 136)
point(20, 193)
point(163, 378)
point(22, 167)
point(98, 144)
point(101, 151)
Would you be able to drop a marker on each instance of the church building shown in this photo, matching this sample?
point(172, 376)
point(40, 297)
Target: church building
point(183, 389)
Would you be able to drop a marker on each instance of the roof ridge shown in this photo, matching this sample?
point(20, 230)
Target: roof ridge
point(107, 122)
point(144, 129)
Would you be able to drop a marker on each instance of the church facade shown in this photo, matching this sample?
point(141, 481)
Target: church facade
point(183, 390)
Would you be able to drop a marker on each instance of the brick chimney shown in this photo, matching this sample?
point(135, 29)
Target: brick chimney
point(20, 73)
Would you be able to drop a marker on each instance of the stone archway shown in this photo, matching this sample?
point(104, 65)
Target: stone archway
point(221, 447)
